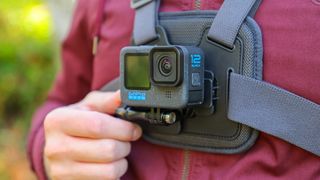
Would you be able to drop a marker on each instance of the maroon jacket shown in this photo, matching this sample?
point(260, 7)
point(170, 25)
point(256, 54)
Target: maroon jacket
point(291, 36)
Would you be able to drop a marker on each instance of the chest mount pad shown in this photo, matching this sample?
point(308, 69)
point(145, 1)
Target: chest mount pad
point(206, 126)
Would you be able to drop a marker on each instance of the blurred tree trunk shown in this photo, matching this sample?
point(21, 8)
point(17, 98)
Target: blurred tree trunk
point(61, 11)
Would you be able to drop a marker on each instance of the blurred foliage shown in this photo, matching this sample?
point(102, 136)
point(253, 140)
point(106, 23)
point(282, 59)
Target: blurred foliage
point(27, 70)
point(26, 52)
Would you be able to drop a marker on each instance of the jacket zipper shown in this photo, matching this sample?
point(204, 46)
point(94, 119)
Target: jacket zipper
point(197, 4)
point(186, 153)
point(186, 165)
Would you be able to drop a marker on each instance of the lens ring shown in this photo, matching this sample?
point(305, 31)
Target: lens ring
point(165, 66)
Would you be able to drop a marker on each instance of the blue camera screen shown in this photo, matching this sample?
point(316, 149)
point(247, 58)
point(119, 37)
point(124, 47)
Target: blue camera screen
point(137, 71)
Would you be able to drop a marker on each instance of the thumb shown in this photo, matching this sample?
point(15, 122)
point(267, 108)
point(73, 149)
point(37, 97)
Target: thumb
point(104, 102)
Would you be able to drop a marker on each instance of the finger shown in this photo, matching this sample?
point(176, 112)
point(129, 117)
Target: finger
point(96, 151)
point(105, 102)
point(76, 170)
point(90, 124)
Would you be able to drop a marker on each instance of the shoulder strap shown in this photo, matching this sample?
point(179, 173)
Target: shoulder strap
point(275, 111)
point(224, 29)
point(255, 8)
point(145, 21)
point(226, 24)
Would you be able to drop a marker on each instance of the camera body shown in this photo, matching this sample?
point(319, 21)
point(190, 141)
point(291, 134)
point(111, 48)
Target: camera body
point(167, 77)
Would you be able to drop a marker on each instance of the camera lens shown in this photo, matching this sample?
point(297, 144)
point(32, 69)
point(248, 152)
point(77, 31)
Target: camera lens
point(165, 66)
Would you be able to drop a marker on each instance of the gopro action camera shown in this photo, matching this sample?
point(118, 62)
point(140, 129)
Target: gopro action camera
point(159, 83)
point(167, 77)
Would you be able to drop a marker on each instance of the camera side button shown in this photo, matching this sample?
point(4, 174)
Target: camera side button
point(195, 79)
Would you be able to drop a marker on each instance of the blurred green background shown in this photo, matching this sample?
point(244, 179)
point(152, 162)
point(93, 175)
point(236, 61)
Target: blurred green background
point(28, 62)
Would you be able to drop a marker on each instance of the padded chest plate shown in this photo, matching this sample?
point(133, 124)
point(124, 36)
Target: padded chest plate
point(206, 131)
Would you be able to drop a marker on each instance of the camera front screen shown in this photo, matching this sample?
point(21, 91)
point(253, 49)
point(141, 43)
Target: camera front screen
point(137, 71)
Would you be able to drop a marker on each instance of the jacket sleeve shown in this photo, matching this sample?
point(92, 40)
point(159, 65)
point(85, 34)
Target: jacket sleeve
point(72, 82)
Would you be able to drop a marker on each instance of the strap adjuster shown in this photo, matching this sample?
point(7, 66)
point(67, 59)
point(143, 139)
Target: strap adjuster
point(135, 4)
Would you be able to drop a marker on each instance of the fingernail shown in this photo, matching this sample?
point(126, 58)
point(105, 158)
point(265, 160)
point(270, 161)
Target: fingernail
point(136, 132)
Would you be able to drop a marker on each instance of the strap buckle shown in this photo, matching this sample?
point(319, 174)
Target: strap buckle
point(135, 4)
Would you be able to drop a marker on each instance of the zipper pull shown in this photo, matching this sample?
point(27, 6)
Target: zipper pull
point(95, 45)
point(197, 4)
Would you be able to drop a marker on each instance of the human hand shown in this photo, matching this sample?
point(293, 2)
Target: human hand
point(83, 141)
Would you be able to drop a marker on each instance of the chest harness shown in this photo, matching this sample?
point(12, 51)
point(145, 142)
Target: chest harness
point(237, 104)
